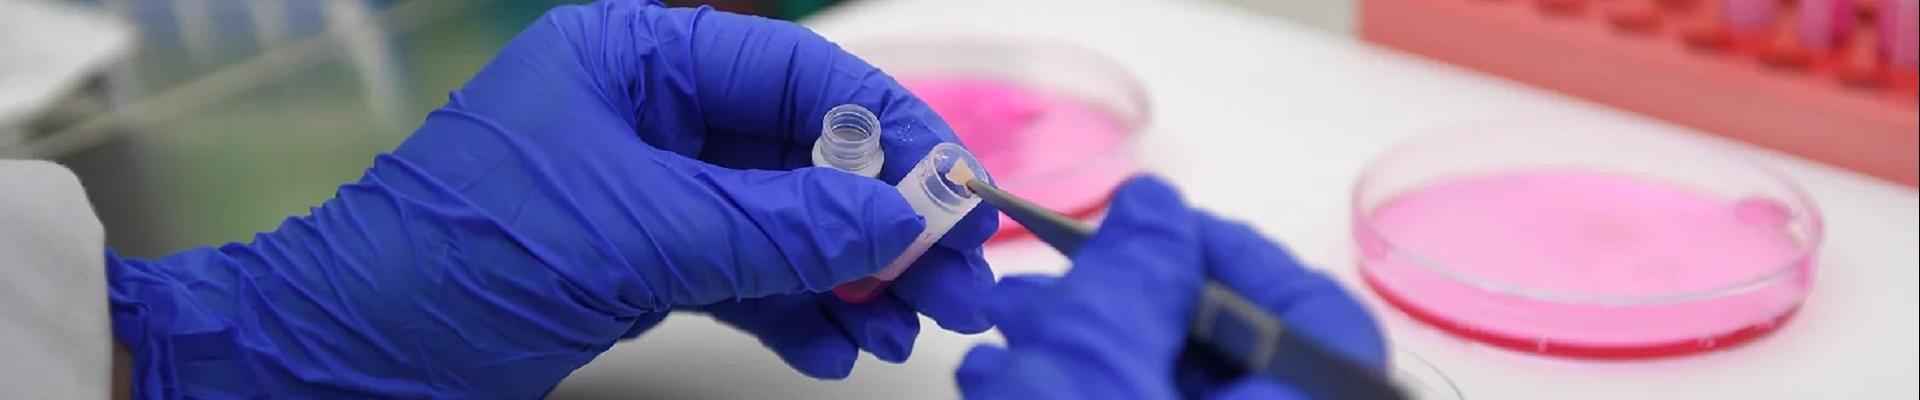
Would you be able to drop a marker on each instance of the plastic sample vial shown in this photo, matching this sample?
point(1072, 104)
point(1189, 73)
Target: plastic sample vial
point(938, 200)
point(1588, 239)
point(850, 141)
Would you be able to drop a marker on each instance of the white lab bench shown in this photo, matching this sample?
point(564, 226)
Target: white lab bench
point(1270, 122)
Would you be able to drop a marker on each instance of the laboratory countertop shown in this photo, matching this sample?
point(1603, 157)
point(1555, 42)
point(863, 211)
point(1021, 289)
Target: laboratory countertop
point(1270, 122)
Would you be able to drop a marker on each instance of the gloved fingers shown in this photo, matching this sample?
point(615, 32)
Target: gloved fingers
point(1309, 302)
point(770, 78)
point(1031, 372)
point(885, 327)
point(1256, 389)
point(1125, 304)
point(766, 85)
point(740, 151)
point(766, 78)
point(948, 286)
point(1015, 297)
point(974, 229)
point(956, 274)
point(1115, 324)
point(797, 329)
point(1142, 269)
point(982, 363)
point(1203, 377)
point(993, 372)
point(1198, 375)
point(783, 231)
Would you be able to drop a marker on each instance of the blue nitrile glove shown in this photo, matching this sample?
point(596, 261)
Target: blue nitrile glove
point(1114, 326)
point(614, 162)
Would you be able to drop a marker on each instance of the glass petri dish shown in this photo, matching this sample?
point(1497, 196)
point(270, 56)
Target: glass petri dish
point(1052, 122)
point(1420, 380)
point(1584, 239)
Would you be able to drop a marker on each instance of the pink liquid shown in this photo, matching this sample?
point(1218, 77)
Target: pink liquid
point(1057, 151)
point(1586, 264)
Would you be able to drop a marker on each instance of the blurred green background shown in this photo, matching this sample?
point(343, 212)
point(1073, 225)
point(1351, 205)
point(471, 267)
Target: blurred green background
point(244, 162)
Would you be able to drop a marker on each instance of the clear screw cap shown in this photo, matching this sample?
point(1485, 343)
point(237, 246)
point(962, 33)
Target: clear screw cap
point(850, 141)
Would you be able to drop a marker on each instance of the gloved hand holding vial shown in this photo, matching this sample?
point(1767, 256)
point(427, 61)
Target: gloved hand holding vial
point(850, 141)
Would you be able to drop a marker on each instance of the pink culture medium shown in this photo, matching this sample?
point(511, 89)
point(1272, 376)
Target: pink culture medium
point(1587, 264)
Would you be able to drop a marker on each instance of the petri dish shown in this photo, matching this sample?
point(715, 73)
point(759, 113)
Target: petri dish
point(1584, 239)
point(1052, 122)
point(1420, 380)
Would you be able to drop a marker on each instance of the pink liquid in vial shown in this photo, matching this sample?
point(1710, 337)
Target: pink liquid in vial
point(1060, 152)
point(1586, 264)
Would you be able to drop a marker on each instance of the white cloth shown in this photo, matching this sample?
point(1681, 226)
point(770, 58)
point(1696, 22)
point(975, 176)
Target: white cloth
point(47, 49)
point(55, 334)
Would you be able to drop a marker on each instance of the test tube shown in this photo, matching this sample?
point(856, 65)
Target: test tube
point(1749, 17)
point(1824, 22)
point(1860, 61)
point(1900, 32)
point(938, 200)
point(850, 141)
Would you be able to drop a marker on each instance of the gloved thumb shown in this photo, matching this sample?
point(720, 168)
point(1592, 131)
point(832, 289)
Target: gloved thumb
point(1311, 303)
point(1147, 245)
point(805, 230)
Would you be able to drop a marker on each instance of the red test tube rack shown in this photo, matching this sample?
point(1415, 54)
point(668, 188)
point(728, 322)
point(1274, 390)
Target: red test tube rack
point(1830, 80)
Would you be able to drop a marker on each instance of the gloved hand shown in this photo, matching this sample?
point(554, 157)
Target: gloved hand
point(614, 162)
point(1114, 326)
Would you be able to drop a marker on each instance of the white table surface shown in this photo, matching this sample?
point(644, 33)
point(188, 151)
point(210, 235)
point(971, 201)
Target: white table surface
point(1271, 123)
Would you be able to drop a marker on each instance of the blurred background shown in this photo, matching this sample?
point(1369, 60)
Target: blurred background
point(196, 122)
point(199, 122)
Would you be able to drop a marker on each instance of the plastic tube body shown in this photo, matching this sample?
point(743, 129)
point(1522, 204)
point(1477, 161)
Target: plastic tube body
point(850, 141)
point(938, 200)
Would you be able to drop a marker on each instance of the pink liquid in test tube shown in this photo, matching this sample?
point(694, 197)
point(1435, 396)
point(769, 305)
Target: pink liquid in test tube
point(1060, 152)
point(1585, 263)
